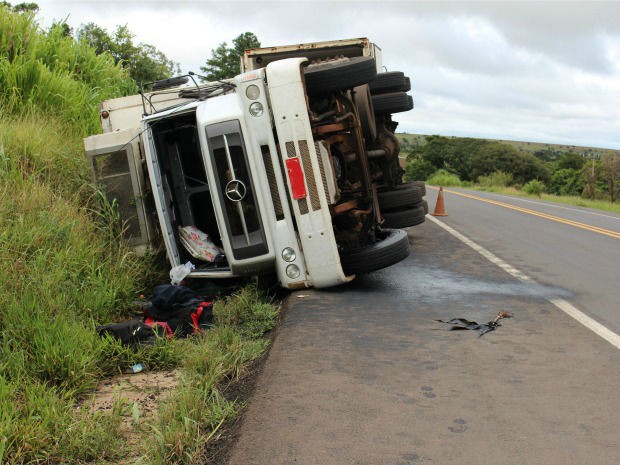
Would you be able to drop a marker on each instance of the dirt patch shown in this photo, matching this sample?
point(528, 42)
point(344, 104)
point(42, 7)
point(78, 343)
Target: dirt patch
point(140, 393)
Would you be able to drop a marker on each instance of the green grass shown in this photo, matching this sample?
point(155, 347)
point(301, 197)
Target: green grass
point(185, 424)
point(45, 70)
point(61, 277)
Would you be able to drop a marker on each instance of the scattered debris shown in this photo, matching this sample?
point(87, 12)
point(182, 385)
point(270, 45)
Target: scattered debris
point(461, 323)
point(178, 273)
point(171, 310)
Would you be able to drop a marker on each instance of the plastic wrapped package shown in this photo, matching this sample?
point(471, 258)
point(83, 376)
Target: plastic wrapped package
point(199, 244)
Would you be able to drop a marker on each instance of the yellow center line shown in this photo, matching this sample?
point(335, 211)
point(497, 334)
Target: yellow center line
point(577, 224)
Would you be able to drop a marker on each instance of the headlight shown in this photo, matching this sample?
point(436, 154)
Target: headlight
point(252, 92)
point(256, 109)
point(288, 254)
point(292, 271)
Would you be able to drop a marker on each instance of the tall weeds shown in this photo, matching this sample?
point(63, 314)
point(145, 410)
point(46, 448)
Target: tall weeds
point(60, 274)
point(49, 71)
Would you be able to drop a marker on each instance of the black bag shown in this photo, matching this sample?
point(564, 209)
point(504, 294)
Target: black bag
point(129, 332)
point(181, 308)
point(167, 297)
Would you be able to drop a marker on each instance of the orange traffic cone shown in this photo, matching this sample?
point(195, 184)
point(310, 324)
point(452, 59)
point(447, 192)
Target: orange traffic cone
point(440, 209)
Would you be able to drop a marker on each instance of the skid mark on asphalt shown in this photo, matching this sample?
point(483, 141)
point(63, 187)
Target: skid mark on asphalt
point(439, 284)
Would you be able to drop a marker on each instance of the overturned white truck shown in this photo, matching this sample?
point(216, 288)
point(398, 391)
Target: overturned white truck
point(290, 168)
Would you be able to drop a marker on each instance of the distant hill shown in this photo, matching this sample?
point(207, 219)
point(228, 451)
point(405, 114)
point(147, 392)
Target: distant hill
point(539, 149)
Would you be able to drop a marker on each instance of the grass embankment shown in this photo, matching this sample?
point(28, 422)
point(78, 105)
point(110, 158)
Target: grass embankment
point(64, 271)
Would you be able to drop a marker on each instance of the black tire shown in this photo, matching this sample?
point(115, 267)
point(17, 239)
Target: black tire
point(401, 196)
point(420, 185)
point(425, 207)
point(396, 102)
point(332, 76)
point(393, 81)
point(393, 248)
point(363, 102)
point(404, 218)
point(407, 86)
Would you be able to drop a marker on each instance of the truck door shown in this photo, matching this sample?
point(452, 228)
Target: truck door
point(117, 166)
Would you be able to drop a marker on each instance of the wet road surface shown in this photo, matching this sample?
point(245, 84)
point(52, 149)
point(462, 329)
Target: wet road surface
point(573, 247)
point(363, 374)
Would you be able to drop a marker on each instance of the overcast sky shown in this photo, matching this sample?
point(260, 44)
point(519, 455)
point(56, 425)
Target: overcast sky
point(537, 71)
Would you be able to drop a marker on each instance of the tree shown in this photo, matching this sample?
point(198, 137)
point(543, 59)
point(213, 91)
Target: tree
point(144, 62)
point(471, 158)
point(67, 31)
point(419, 169)
point(571, 160)
point(21, 7)
point(566, 181)
point(611, 170)
point(224, 61)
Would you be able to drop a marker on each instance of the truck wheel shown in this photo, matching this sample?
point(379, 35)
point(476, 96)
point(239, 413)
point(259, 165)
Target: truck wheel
point(401, 196)
point(396, 102)
point(425, 207)
point(420, 185)
point(363, 102)
point(392, 248)
point(393, 81)
point(404, 218)
point(332, 76)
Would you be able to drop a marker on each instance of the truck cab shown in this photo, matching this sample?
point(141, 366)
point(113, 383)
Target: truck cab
point(271, 167)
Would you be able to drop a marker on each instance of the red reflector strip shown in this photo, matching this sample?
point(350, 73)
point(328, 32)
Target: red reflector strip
point(296, 178)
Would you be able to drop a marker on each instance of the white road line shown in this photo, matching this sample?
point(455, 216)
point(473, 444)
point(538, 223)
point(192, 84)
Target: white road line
point(566, 307)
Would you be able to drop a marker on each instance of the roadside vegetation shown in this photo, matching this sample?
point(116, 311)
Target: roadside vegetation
point(65, 270)
point(580, 176)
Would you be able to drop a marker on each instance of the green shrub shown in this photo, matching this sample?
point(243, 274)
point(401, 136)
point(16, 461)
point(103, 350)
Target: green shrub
point(419, 169)
point(566, 182)
point(496, 179)
point(534, 187)
point(444, 178)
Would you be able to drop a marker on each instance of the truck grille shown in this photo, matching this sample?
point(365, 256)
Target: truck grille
point(310, 181)
point(290, 150)
point(273, 186)
point(235, 191)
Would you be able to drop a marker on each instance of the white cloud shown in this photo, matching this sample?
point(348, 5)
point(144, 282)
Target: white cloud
point(547, 71)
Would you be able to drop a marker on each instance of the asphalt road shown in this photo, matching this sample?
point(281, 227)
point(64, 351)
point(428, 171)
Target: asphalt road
point(364, 374)
point(584, 259)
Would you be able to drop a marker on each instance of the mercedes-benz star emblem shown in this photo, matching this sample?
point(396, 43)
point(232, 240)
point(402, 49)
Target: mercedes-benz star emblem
point(235, 190)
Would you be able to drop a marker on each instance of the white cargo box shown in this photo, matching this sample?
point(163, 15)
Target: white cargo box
point(260, 57)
